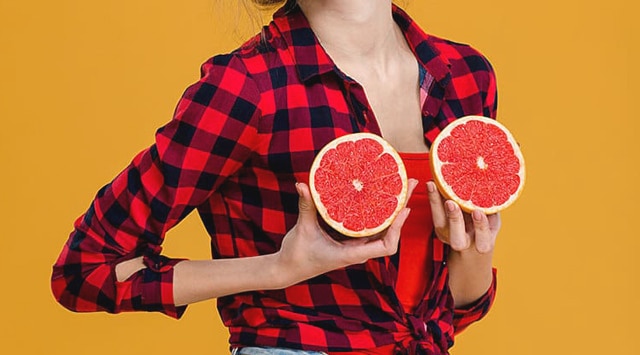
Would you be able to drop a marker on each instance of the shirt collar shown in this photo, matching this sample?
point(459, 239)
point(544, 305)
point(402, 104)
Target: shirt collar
point(311, 60)
point(309, 57)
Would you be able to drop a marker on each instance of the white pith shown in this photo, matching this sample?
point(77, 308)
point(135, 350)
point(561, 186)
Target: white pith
point(481, 163)
point(447, 191)
point(387, 148)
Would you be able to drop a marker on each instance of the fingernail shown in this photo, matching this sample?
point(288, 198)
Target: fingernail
point(431, 186)
point(451, 207)
point(477, 215)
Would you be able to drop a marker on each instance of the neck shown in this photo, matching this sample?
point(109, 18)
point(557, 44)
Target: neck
point(354, 29)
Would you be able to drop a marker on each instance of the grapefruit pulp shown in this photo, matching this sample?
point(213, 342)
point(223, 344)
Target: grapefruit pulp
point(358, 184)
point(476, 162)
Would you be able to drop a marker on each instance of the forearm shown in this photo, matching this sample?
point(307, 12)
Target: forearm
point(470, 275)
point(204, 279)
point(198, 280)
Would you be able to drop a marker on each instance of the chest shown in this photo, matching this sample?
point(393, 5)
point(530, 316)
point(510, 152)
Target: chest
point(396, 107)
point(391, 95)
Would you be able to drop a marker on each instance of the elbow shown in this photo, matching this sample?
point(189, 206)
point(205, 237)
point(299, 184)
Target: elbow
point(75, 292)
point(83, 278)
point(61, 293)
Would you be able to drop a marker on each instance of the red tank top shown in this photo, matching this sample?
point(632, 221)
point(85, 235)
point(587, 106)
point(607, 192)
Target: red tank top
point(414, 269)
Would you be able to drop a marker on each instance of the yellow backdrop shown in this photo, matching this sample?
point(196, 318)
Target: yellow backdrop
point(84, 85)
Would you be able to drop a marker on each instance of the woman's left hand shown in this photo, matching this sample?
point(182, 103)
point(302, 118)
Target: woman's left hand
point(461, 230)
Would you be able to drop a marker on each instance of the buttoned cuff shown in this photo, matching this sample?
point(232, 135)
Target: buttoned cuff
point(465, 316)
point(151, 289)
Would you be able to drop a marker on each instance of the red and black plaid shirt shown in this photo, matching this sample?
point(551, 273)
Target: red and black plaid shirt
point(240, 139)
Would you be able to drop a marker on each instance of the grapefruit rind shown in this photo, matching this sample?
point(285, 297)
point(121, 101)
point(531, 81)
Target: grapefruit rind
point(447, 191)
point(322, 210)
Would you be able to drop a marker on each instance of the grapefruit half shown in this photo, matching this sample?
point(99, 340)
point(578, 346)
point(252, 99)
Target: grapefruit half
point(358, 184)
point(476, 162)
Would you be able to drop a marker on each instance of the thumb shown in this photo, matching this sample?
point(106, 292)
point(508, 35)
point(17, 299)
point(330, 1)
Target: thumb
point(306, 207)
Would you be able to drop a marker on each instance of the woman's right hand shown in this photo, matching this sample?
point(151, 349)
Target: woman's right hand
point(307, 250)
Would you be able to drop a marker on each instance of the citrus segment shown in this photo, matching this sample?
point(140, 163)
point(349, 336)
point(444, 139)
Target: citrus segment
point(477, 163)
point(359, 184)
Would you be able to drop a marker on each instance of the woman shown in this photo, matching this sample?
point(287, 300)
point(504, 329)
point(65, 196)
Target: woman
point(239, 150)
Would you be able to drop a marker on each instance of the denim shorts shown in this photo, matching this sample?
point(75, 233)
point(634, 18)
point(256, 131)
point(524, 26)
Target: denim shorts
point(272, 351)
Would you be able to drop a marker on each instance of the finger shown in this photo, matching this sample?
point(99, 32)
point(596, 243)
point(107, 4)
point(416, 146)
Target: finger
point(484, 236)
point(437, 207)
point(494, 222)
point(386, 244)
point(391, 239)
point(397, 224)
point(306, 207)
point(411, 187)
point(458, 237)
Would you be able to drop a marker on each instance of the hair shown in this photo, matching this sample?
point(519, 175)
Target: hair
point(256, 9)
point(267, 2)
point(270, 4)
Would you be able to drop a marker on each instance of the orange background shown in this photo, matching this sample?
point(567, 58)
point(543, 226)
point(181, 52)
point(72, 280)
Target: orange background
point(84, 85)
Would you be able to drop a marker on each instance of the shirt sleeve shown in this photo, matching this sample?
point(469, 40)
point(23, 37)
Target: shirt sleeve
point(489, 92)
point(465, 316)
point(212, 133)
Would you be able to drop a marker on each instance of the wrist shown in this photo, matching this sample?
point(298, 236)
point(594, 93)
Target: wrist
point(470, 275)
point(469, 265)
point(470, 254)
point(280, 272)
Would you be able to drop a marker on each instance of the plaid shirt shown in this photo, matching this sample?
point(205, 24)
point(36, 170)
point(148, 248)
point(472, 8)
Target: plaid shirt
point(240, 139)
